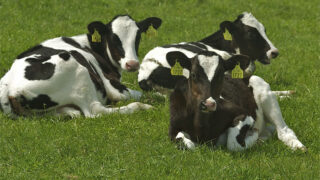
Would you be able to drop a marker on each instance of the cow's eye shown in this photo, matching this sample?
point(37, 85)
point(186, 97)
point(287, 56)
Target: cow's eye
point(193, 76)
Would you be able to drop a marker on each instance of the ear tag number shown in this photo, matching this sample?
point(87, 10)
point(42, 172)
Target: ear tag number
point(177, 70)
point(237, 72)
point(96, 36)
point(151, 32)
point(227, 36)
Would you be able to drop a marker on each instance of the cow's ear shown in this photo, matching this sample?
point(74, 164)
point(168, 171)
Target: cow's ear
point(176, 56)
point(243, 60)
point(228, 25)
point(151, 21)
point(97, 30)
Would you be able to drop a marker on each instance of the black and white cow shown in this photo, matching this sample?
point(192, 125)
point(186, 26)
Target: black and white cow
point(77, 75)
point(202, 112)
point(247, 37)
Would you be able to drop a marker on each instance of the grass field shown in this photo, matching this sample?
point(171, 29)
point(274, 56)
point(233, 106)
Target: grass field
point(137, 146)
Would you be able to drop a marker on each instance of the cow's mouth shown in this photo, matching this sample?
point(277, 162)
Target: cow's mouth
point(264, 60)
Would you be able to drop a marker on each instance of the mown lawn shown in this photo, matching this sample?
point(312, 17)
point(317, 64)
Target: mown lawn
point(136, 146)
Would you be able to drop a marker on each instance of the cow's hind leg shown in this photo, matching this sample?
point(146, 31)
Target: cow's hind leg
point(266, 99)
point(242, 136)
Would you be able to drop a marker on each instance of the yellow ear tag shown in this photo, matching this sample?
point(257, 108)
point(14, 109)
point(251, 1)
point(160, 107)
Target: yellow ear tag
point(177, 70)
point(227, 36)
point(151, 32)
point(96, 36)
point(237, 72)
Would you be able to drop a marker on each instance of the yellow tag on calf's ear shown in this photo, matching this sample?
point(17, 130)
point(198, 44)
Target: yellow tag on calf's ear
point(151, 32)
point(96, 36)
point(227, 36)
point(237, 72)
point(177, 69)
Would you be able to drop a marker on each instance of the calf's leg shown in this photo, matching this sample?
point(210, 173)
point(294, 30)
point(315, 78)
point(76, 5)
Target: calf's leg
point(97, 108)
point(266, 99)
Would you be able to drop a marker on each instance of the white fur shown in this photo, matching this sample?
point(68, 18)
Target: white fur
point(209, 65)
point(186, 140)
point(212, 101)
point(268, 104)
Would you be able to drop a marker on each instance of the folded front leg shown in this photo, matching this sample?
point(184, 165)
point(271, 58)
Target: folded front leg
point(97, 108)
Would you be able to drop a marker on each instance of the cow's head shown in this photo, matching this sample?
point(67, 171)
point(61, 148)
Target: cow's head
point(250, 36)
point(121, 38)
point(207, 75)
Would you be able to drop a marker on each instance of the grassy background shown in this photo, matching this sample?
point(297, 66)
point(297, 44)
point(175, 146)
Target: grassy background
point(137, 146)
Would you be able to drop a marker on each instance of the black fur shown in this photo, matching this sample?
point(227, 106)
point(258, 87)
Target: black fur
point(241, 137)
point(39, 69)
point(40, 102)
point(162, 76)
point(40, 50)
point(65, 55)
point(116, 84)
point(71, 42)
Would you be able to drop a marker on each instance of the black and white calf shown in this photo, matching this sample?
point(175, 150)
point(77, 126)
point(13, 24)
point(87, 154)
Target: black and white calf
point(212, 107)
point(247, 36)
point(77, 75)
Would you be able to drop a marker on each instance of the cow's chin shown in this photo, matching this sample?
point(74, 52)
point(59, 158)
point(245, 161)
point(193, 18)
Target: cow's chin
point(265, 60)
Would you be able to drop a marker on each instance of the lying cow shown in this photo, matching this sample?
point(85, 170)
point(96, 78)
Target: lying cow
point(246, 35)
point(77, 75)
point(202, 112)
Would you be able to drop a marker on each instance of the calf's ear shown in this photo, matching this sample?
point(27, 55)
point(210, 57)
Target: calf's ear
point(97, 26)
point(151, 21)
point(176, 56)
point(227, 25)
point(243, 60)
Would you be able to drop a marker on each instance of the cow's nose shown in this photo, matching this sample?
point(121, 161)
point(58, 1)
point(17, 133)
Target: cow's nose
point(132, 65)
point(274, 53)
point(208, 105)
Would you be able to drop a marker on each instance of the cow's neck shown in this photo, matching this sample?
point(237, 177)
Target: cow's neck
point(217, 41)
point(99, 52)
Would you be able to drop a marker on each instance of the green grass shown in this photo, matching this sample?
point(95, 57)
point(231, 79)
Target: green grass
point(137, 146)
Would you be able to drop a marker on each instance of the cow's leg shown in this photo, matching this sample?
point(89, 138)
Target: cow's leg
point(241, 136)
point(267, 100)
point(97, 108)
point(284, 94)
point(69, 111)
point(185, 140)
point(116, 91)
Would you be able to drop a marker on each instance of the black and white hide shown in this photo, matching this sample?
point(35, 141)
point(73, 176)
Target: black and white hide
point(211, 107)
point(246, 35)
point(77, 75)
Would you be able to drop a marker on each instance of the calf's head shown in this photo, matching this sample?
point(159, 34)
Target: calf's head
point(206, 78)
point(250, 36)
point(120, 38)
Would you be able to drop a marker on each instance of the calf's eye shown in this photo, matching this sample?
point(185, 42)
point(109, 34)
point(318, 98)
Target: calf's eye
point(193, 76)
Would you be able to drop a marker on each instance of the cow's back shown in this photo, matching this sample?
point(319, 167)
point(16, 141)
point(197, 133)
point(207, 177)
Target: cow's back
point(238, 92)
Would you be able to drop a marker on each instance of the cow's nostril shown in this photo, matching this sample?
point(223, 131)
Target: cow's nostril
point(203, 106)
point(132, 65)
point(274, 54)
